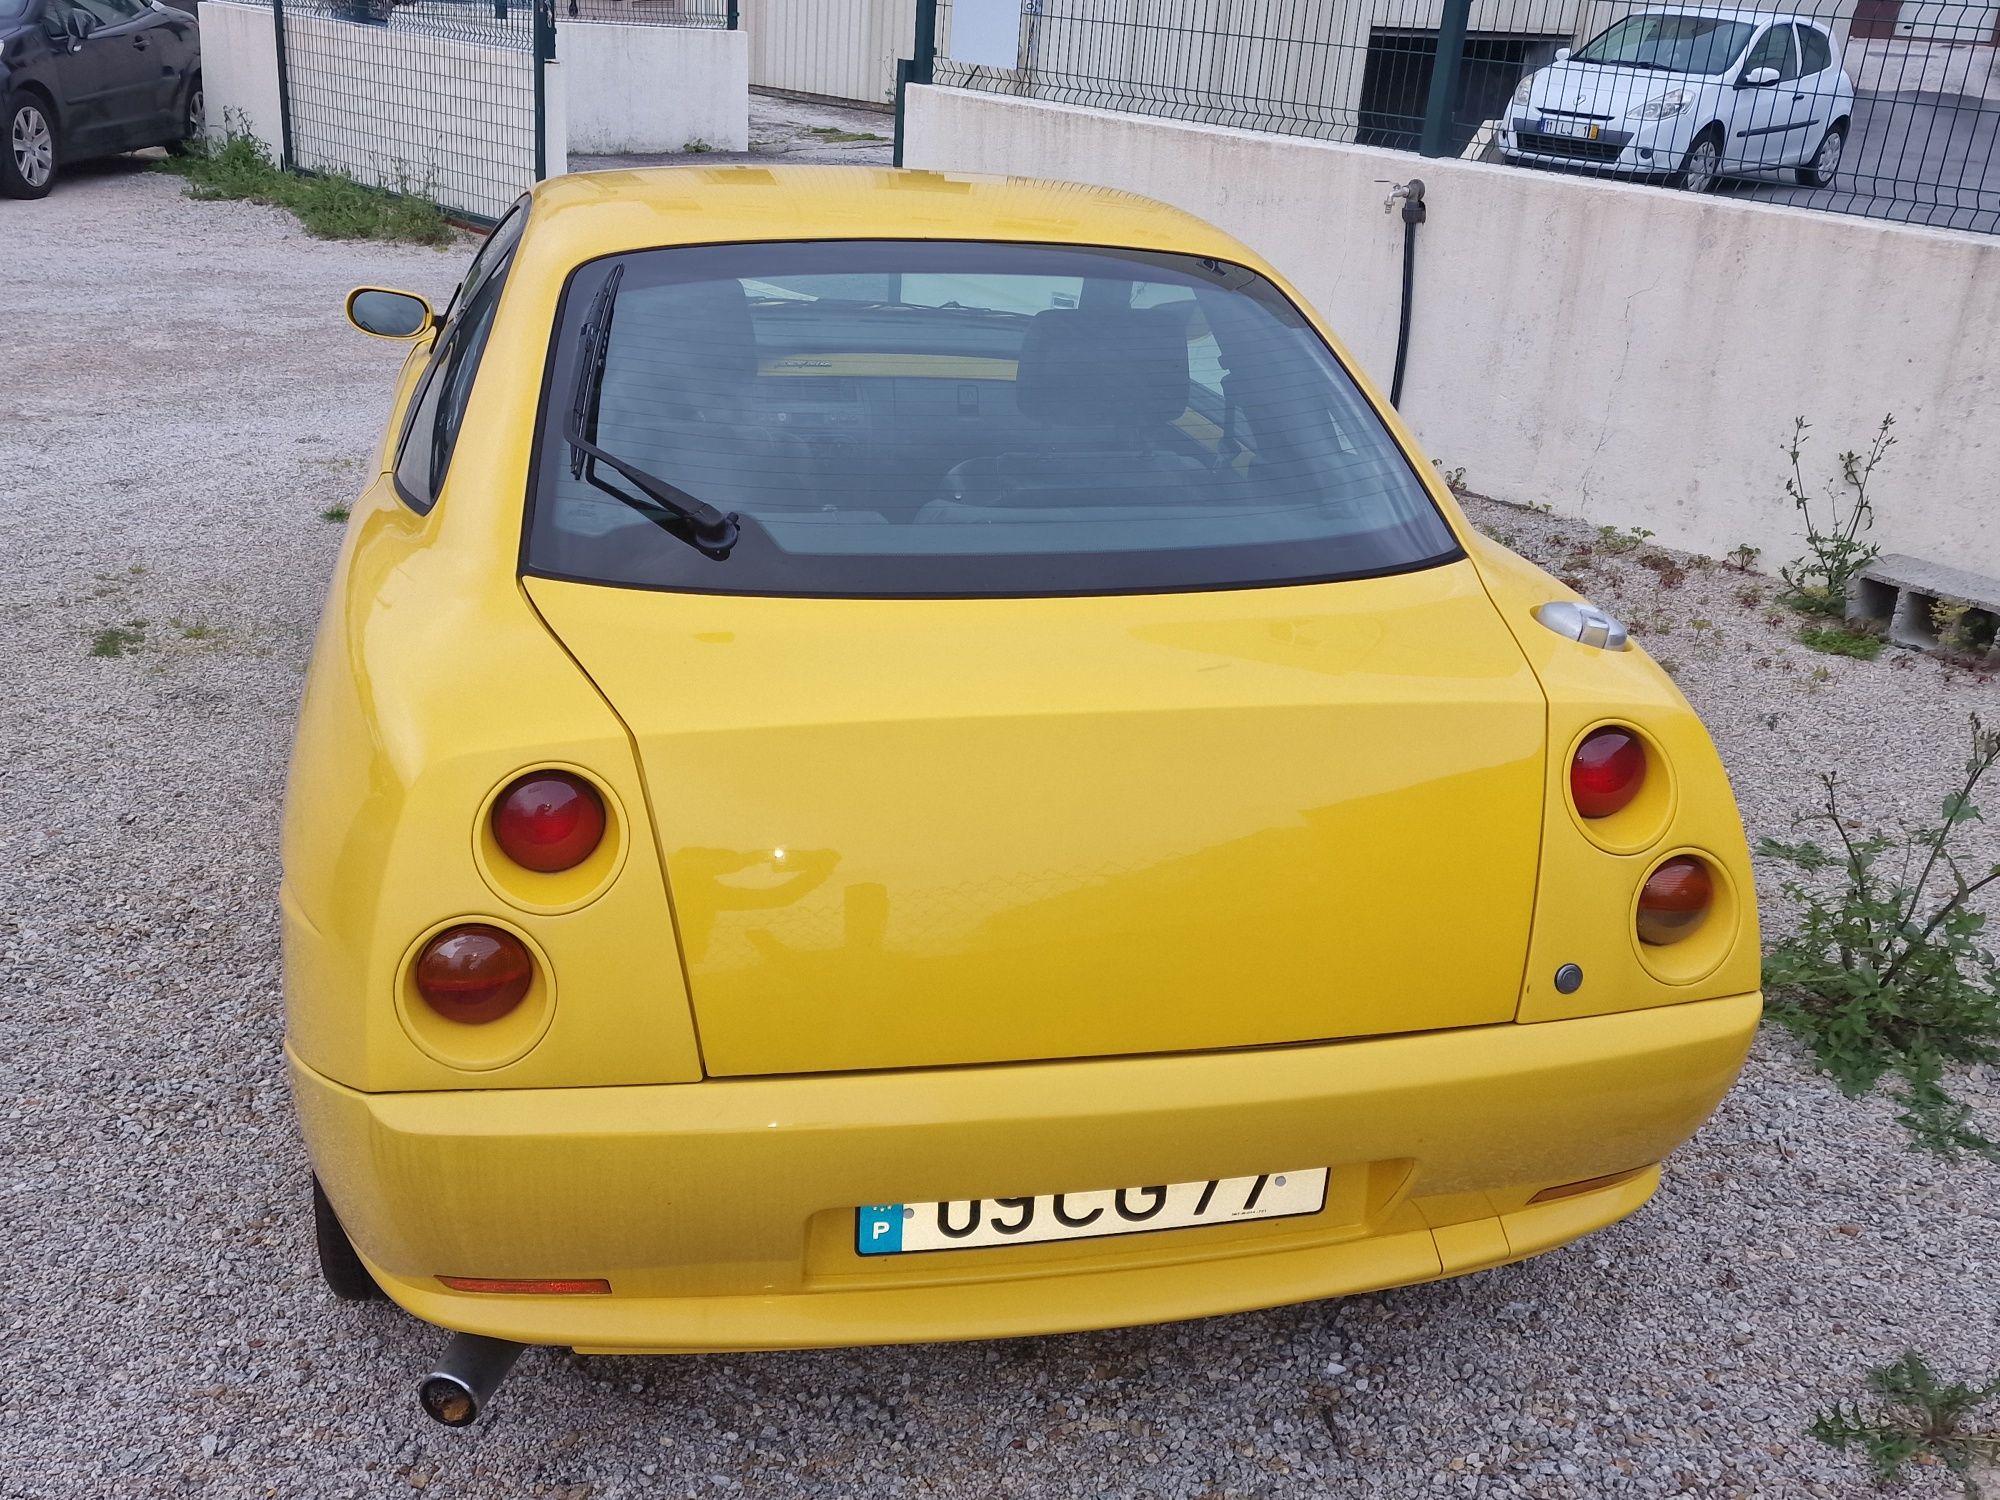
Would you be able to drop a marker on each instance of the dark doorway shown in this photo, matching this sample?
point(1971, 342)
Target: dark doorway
point(1397, 82)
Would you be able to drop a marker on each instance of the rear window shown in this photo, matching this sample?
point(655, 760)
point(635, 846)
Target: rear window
point(947, 419)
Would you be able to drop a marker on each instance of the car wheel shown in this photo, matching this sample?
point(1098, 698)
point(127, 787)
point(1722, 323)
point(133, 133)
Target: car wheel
point(1825, 165)
point(27, 149)
point(194, 127)
point(339, 1267)
point(1701, 168)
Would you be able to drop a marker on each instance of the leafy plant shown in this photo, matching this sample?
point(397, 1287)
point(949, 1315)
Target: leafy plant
point(1614, 540)
point(1961, 629)
point(696, 147)
point(335, 513)
point(1839, 640)
point(1885, 974)
point(331, 205)
point(1916, 1418)
point(1818, 584)
point(833, 135)
point(1454, 477)
point(1743, 557)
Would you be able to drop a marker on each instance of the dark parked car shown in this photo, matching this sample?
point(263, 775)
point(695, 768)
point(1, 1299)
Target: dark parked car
point(84, 78)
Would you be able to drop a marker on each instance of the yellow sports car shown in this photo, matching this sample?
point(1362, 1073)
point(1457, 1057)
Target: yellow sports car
point(896, 756)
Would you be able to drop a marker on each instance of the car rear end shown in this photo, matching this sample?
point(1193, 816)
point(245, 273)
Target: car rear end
point(892, 945)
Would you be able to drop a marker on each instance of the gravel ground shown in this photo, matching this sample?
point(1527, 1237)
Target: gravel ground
point(190, 404)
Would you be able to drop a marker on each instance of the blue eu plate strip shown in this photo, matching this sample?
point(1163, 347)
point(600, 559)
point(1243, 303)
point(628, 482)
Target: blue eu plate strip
point(878, 1229)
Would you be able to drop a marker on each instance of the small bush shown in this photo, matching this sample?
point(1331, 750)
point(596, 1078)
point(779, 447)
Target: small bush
point(330, 205)
point(335, 514)
point(1818, 584)
point(1915, 1419)
point(1838, 640)
point(1885, 975)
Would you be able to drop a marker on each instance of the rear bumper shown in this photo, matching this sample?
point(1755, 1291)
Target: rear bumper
point(722, 1212)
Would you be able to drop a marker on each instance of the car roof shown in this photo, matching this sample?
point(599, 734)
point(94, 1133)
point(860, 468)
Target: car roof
point(602, 213)
point(1731, 13)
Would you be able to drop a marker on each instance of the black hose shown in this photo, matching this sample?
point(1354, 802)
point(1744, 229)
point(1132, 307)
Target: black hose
point(1414, 214)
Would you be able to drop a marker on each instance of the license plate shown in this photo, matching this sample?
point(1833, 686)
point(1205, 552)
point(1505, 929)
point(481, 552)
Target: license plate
point(1582, 130)
point(979, 1223)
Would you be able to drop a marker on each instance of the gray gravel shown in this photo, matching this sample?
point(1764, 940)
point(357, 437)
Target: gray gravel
point(182, 404)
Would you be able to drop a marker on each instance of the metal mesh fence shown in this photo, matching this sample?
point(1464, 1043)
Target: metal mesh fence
point(436, 98)
point(705, 14)
point(1860, 106)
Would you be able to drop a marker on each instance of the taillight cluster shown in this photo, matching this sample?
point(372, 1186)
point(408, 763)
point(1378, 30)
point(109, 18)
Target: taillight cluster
point(542, 824)
point(1610, 776)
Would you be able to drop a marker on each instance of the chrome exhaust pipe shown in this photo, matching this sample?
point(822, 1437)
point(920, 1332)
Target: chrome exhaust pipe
point(473, 1366)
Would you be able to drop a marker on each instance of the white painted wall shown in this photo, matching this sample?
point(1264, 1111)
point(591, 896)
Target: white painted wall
point(1622, 353)
point(654, 88)
point(239, 72)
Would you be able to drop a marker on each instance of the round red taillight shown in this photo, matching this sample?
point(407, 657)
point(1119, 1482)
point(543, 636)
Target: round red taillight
point(548, 821)
point(1674, 901)
point(1609, 769)
point(474, 973)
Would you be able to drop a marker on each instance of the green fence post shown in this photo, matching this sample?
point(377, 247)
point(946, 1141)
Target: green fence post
point(1444, 79)
point(545, 51)
point(735, 15)
point(284, 88)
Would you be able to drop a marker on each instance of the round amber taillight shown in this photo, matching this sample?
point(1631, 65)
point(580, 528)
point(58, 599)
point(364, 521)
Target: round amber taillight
point(474, 973)
point(548, 821)
point(1607, 772)
point(1675, 901)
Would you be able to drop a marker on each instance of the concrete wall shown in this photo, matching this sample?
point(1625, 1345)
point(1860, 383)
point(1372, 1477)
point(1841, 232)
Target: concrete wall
point(1622, 353)
point(239, 72)
point(654, 88)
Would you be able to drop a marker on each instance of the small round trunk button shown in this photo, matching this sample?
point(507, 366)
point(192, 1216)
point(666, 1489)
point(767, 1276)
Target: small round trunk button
point(1569, 979)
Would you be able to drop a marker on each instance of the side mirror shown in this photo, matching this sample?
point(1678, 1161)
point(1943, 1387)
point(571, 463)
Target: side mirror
point(387, 314)
point(1562, 54)
point(1759, 78)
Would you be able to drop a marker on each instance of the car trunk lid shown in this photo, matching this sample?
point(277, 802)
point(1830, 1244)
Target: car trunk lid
point(908, 833)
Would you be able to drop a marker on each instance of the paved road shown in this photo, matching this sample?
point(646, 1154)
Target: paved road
point(1920, 158)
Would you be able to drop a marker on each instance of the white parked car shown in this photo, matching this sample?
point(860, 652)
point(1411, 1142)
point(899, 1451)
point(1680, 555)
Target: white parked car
point(1694, 96)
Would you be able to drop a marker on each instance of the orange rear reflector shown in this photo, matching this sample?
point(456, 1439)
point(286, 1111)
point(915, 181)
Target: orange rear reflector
point(1588, 1185)
point(591, 1286)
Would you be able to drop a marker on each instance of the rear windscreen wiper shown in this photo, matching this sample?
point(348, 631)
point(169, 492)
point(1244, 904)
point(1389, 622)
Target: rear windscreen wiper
point(671, 508)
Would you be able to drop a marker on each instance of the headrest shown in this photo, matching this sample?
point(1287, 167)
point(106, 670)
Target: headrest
point(1087, 368)
point(694, 331)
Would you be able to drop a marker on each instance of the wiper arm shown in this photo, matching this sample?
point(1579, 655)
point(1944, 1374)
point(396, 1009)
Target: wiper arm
point(696, 522)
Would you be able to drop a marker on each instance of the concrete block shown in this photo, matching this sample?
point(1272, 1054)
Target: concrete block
point(1929, 606)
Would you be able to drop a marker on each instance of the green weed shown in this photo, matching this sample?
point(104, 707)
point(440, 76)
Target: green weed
point(118, 640)
point(1885, 977)
point(330, 205)
point(1838, 640)
point(1914, 1419)
point(1818, 584)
